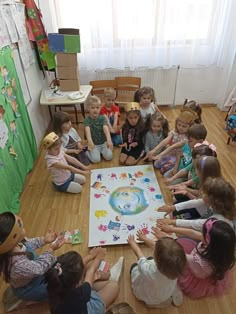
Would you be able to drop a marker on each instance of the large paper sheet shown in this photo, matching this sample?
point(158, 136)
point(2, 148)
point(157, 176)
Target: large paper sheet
point(122, 200)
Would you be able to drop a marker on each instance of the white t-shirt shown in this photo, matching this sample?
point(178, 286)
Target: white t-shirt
point(59, 176)
point(146, 111)
point(149, 285)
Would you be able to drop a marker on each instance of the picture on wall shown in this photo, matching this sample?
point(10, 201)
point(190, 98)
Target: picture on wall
point(122, 200)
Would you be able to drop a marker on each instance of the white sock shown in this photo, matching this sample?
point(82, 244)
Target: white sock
point(116, 269)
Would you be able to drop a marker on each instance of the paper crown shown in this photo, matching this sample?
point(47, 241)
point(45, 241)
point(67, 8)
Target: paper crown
point(50, 139)
point(132, 106)
point(187, 116)
point(14, 236)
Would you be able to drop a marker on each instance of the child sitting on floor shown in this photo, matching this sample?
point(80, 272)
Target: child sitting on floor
point(72, 287)
point(158, 129)
point(132, 135)
point(20, 265)
point(193, 105)
point(65, 178)
point(70, 139)
point(97, 132)
point(169, 157)
point(145, 97)
point(112, 113)
point(210, 262)
point(154, 280)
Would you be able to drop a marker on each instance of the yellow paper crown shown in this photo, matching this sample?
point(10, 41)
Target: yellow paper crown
point(132, 106)
point(187, 116)
point(50, 139)
point(13, 237)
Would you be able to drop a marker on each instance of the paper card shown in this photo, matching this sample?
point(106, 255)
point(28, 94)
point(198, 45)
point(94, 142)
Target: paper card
point(104, 266)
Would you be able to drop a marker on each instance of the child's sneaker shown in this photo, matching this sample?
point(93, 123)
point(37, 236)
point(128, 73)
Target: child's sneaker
point(116, 269)
point(177, 297)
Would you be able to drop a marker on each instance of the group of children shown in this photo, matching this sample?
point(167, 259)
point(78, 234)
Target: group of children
point(198, 264)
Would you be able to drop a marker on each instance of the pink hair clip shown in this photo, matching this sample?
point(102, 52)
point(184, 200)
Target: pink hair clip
point(212, 147)
point(209, 223)
point(203, 143)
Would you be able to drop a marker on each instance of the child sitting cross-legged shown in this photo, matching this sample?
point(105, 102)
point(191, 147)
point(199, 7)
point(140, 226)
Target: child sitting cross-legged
point(72, 286)
point(97, 132)
point(154, 280)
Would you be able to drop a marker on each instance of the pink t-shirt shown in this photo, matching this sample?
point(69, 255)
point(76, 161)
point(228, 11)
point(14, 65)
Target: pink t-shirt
point(59, 176)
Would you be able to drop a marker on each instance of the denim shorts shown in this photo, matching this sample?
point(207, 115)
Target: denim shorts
point(63, 187)
point(95, 304)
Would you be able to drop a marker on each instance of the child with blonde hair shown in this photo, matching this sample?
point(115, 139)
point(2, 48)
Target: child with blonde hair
point(121, 308)
point(65, 177)
point(97, 132)
point(154, 280)
point(112, 113)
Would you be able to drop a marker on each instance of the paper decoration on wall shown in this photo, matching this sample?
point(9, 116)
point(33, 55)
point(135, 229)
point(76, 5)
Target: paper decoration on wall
point(122, 200)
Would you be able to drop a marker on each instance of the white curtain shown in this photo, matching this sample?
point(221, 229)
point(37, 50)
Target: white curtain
point(149, 33)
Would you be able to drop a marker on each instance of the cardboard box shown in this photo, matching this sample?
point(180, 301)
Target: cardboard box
point(69, 85)
point(56, 42)
point(69, 31)
point(68, 73)
point(67, 59)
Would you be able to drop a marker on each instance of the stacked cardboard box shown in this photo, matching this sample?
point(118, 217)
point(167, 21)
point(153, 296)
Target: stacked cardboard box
point(67, 45)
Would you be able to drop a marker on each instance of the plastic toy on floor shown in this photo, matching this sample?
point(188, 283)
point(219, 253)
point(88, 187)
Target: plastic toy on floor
point(231, 128)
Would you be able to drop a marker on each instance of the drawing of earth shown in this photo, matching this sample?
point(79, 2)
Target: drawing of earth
point(129, 200)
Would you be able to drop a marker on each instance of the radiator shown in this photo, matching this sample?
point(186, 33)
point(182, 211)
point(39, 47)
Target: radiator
point(162, 80)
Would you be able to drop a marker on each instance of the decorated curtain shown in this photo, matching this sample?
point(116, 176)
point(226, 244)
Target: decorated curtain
point(18, 148)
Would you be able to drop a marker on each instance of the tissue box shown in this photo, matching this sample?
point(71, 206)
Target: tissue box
point(68, 72)
point(69, 85)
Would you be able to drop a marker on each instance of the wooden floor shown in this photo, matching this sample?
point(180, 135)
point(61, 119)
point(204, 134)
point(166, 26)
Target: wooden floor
point(43, 208)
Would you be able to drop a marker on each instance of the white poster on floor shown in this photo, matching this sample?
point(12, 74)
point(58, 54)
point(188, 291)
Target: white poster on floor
point(122, 200)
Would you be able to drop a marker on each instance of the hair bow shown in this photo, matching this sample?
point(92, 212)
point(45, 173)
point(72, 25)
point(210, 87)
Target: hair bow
point(58, 267)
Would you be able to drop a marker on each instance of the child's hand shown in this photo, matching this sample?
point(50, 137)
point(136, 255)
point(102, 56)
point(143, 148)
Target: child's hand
point(50, 236)
point(164, 226)
point(158, 233)
point(76, 151)
point(167, 209)
point(57, 244)
point(102, 254)
point(86, 168)
point(131, 239)
point(84, 171)
point(80, 146)
point(157, 157)
point(90, 146)
point(140, 235)
point(165, 221)
point(110, 145)
point(123, 145)
point(112, 130)
point(168, 180)
point(134, 144)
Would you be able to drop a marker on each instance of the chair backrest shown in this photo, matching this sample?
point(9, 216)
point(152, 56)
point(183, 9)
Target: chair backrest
point(100, 85)
point(126, 87)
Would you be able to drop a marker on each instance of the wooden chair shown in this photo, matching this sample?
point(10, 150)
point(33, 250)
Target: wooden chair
point(126, 86)
point(100, 85)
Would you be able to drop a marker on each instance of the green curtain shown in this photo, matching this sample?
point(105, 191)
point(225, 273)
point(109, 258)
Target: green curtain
point(18, 148)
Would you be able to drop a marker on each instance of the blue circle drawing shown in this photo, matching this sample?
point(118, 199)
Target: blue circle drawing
point(129, 200)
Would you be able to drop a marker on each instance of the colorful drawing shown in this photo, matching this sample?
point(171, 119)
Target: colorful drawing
point(102, 227)
point(114, 225)
point(124, 201)
point(100, 213)
point(129, 200)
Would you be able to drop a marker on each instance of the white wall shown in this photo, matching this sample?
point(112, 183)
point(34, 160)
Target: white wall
point(38, 114)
